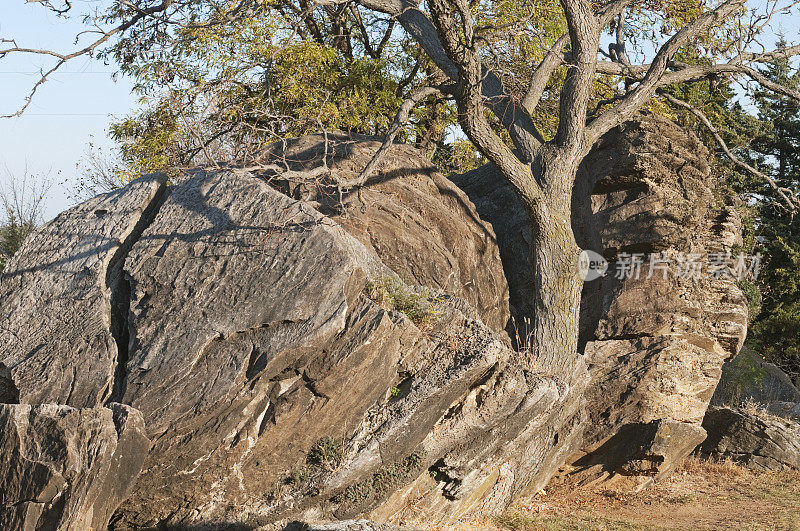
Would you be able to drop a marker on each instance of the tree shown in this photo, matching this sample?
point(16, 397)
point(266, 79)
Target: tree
point(478, 47)
point(22, 206)
point(775, 331)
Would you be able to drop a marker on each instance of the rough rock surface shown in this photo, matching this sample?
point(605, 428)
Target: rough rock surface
point(345, 525)
point(655, 346)
point(748, 378)
point(66, 468)
point(752, 438)
point(787, 410)
point(64, 280)
point(422, 226)
point(279, 377)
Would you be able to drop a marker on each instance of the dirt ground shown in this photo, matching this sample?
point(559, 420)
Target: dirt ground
point(700, 495)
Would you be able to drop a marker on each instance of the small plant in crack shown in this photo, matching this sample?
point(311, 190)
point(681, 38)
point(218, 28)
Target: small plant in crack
point(325, 453)
point(394, 295)
point(298, 477)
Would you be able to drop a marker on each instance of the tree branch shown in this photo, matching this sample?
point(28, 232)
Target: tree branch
point(400, 121)
point(789, 197)
point(635, 99)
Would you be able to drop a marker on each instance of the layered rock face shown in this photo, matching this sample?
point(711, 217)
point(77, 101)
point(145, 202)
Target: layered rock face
point(755, 439)
point(65, 468)
point(658, 347)
point(281, 367)
point(655, 346)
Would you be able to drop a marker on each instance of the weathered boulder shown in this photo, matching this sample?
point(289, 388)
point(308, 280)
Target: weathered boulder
point(422, 226)
point(752, 438)
point(756, 415)
point(748, 378)
point(66, 468)
point(58, 299)
point(654, 344)
point(283, 370)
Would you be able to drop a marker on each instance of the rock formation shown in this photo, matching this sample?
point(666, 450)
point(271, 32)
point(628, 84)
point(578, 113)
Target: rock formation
point(655, 346)
point(752, 438)
point(281, 367)
point(65, 468)
point(297, 351)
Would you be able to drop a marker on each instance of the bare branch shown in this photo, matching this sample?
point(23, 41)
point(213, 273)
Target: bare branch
point(400, 121)
point(64, 58)
point(634, 100)
point(789, 197)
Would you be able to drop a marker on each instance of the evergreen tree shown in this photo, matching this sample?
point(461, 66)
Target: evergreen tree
point(775, 332)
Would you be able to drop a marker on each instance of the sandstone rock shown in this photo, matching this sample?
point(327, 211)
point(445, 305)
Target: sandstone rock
point(754, 439)
point(66, 468)
point(58, 304)
point(655, 346)
point(419, 223)
point(748, 377)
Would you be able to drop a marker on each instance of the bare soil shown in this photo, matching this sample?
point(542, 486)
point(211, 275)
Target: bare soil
point(700, 495)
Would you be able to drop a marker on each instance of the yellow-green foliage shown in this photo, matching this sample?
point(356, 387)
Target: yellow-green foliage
point(225, 91)
point(394, 295)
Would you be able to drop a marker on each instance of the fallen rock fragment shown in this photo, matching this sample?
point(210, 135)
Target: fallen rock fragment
point(751, 437)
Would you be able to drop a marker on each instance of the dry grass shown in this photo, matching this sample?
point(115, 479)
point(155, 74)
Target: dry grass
point(700, 495)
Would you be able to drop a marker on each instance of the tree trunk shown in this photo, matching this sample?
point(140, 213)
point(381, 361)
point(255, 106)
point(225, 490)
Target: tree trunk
point(555, 323)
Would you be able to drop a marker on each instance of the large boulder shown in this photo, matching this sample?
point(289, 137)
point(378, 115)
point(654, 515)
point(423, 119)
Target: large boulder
point(418, 222)
point(655, 344)
point(66, 468)
point(751, 437)
point(749, 378)
point(284, 370)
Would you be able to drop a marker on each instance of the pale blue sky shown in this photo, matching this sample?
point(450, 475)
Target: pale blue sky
point(74, 108)
point(71, 110)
